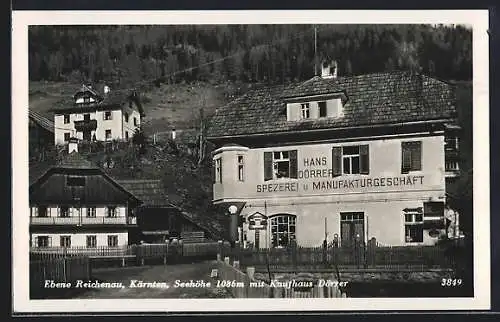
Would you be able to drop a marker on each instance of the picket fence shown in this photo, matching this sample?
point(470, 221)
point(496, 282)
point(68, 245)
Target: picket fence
point(370, 256)
point(58, 270)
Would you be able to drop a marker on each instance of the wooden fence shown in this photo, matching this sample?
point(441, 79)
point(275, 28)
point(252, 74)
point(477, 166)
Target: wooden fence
point(244, 285)
point(356, 257)
point(132, 254)
point(57, 270)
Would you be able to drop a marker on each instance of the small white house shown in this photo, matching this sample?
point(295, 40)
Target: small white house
point(91, 116)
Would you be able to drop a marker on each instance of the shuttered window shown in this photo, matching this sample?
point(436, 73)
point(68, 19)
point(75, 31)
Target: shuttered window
point(351, 160)
point(411, 156)
point(280, 165)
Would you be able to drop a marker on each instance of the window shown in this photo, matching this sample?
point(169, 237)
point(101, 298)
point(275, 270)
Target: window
point(411, 156)
point(42, 241)
point(42, 211)
point(64, 211)
point(67, 136)
point(125, 115)
point(353, 159)
point(241, 168)
point(108, 134)
point(451, 165)
point(322, 109)
point(91, 212)
point(111, 211)
point(350, 160)
point(282, 230)
point(86, 117)
point(91, 241)
point(65, 241)
point(218, 170)
point(451, 143)
point(304, 110)
point(135, 122)
point(72, 181)
point(113, 240)
point(34, 211)
point(66, 118)
point(126, 135)
point(414, 227)
point(108, 115)
point(280, 164)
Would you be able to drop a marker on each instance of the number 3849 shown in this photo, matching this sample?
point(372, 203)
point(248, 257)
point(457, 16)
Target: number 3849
point(451, 282)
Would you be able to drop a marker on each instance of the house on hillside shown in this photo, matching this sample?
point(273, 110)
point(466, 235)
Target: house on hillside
point(92, 116)
point(159, 220)
point(41, 130)
point(76, 204)
point(338, 158)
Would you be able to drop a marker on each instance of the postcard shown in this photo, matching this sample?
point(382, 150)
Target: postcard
point(250, 161)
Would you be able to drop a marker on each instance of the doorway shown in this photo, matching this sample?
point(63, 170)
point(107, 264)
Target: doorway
point(352, 228)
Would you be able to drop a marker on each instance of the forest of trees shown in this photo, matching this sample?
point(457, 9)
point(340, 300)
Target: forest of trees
point(126, 55)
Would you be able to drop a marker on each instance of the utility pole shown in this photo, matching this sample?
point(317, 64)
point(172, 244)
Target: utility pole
point(315, 50)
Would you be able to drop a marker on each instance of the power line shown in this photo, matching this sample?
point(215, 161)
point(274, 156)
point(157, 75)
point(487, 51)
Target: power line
point(145, 82)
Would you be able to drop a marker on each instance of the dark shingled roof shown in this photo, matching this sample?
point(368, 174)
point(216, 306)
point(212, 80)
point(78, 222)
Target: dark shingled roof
point(41, 120)
point(113, 98)
point(150, 191)
point(380, 98)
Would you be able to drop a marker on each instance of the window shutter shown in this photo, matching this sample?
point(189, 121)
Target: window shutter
point(49, 243)
point(416, 156)
point(35, 242)
point(214, 179)
point(364, 153)
point(337, 161)
point(293, 164)
point(405, 157)
point(268, 166)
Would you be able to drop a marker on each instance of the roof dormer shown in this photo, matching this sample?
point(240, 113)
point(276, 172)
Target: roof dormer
point(316, 107)
point(86, 95)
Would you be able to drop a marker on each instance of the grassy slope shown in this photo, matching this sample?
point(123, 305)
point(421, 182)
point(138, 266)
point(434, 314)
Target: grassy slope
point(166, 107)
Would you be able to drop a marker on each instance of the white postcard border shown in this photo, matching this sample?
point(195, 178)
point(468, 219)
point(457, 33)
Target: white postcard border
point(20, 223)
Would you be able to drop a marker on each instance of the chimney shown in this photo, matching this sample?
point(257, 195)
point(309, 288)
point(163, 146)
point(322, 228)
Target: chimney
point(72, 145)
point(106, 89)
point(173, 134)
point(329, 69)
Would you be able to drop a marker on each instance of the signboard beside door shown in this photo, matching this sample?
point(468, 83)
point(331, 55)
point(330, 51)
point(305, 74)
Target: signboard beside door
point(257, 222)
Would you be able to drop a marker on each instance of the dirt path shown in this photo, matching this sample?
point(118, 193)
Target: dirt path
point(149, 274)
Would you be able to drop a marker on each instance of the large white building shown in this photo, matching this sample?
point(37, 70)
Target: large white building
point(346, 158)
point(91, 116)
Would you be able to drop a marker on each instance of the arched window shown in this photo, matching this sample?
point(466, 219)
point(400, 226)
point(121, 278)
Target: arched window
point(282, 229)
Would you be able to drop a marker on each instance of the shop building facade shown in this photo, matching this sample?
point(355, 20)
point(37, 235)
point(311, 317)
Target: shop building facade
point(342, 158)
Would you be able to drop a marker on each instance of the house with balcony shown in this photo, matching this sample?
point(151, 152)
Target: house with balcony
point(76, 204)
point(341, 158)
point(92, 116)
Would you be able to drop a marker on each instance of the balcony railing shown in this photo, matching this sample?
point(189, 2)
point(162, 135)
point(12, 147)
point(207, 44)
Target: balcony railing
point(83, 220)
point(89, 125)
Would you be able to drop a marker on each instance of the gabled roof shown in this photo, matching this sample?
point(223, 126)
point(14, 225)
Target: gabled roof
point(71, 161)
point(150, 191)
point(41, 120)
point(379, 98)
point(115, 98)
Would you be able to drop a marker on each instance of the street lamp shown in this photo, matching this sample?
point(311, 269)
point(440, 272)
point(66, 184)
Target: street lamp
point(233, 224)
